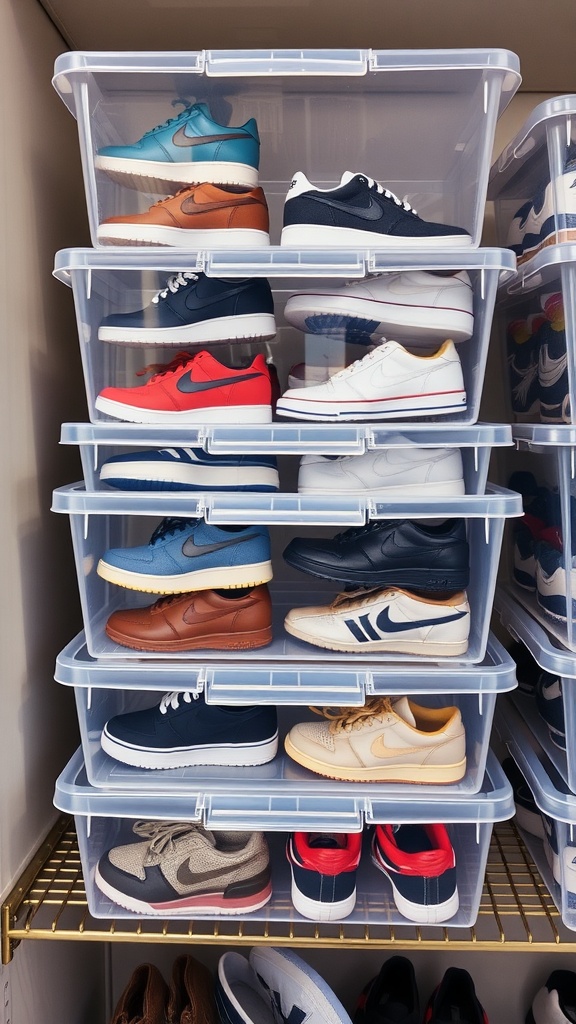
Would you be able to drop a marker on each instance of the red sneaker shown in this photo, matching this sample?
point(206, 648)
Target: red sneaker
point(194, 389)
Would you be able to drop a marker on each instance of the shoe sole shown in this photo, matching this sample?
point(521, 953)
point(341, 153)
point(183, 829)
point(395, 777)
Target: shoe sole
point(159, 177)
point(412, 579)
point(214, 642)
point(249, 326)
point(231, 577)
point(318, 236)
point(155, 476)
point(562, 235)
point(184, 238)
point(290, 974)
point(440, 488)
point(314, 910)
point(438, 403)
point(212, 904)
point(228, 755)
point(417, 912)
point(422, 648)
point(423, 775)
point(371, 319)
point(211, 414)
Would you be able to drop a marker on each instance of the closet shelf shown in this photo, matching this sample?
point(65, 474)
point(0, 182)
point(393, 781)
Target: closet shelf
point(516, 912)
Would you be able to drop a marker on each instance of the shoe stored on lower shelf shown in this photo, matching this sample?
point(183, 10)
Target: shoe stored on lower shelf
point(455, 999)
point(391, 997)
point(323, 867)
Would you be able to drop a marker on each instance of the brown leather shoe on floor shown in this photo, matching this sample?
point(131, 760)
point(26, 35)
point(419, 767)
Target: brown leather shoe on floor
point(191, 993)
point(145, 998)
point(221, 216)
point(207, 619)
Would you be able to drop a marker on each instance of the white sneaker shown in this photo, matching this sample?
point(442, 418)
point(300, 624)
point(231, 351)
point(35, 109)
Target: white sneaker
point(409, 306)
point(539, 226)
point(387, 740)
point(391, 620)
point(384, 473)
point(388, 382)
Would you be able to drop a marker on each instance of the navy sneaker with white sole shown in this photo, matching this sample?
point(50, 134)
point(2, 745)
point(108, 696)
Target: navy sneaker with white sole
point(190, 469)
point(182, 731)
point(420, 863)
point(550, 704)
point(323, 867)
point(193, 309)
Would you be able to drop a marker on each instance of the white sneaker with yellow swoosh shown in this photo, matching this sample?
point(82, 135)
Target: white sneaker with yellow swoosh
point(178, 868)
point(393, 620)
point(387, 740)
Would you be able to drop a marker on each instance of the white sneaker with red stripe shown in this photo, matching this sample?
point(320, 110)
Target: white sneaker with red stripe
point(389, 382)
point(420, 863)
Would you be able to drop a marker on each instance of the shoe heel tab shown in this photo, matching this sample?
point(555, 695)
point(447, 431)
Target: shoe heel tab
point(298, 185)
point(252, 128)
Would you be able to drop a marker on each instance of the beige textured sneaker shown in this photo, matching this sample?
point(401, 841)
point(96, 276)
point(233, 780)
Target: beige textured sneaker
point(387, 740)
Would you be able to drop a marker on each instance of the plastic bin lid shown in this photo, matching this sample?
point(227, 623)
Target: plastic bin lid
point(526, 139)
point(494, 802)
point(544, 267)
point(546, 651)
point(550, 792)
point(542, 435)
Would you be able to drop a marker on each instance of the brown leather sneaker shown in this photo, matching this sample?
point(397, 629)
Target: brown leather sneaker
point(221, 216)
point(191, 993)
point(204, 619)
point(145, 998)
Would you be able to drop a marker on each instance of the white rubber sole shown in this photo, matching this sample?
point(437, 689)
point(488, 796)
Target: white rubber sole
point(214, 414)
point(420, 774)
point(416, 912)
point(413, 405)
point(227, 328)
point(393, 320)
point(446, 489)
point(320, 236)
point(199, 477)
point(159, 176)
point(393, 646)
point(228, 755)
point(227, 578)
point(184, 907)
point(183, 238)
point(315, 911)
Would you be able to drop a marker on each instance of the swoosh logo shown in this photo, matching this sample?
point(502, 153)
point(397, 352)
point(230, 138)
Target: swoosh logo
point(189, 386)
point(187, 877)
point(371, 212)
point(551, 370)
point(193, 550)
point(190, 206)
point(181, 139)
point(209, 300)
point(387, 625)
point(379, 749)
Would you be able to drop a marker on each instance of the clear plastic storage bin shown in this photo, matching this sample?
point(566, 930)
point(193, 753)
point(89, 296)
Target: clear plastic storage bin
point(542, 548)
point(535, 326)
point(105, 689)
point(530, 181)
point(555, 855)
point(113, 282)
point(104, 519)
point(104, 819)
point(561, 665)
point(99, 442)
point(320, 111)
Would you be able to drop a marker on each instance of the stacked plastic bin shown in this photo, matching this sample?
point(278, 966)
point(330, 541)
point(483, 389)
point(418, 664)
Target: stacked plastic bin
point(533, 185)
point(322, 112)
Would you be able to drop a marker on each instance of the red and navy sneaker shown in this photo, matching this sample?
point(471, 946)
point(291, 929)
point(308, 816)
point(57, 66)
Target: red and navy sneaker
point(455, 999)
point(194, 389)
point(324, 868)
point(391, 997)
point(420, 863)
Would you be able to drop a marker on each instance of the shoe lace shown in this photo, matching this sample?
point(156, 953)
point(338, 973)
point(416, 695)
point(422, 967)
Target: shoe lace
point(368, 358)
point(172, 699)
point(174, 282)
point(348, 719)
point(172, 120)
point(162, 834)
point(390, 195)
point(161, 369)
point(170, 525)
point(360, 531)
point(185, 188)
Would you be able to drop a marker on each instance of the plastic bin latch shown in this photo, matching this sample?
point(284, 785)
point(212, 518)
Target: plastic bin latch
point(220, 63)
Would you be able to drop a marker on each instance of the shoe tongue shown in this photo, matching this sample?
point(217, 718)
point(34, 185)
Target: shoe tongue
point(325, 841)
point(402, 708)
point(348, 176)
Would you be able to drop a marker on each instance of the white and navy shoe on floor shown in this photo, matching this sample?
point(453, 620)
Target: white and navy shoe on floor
point(274, 985)
point(555, 1002)
point(389, 382)
point(420, 864)
point(323, 867)
point(190, 469)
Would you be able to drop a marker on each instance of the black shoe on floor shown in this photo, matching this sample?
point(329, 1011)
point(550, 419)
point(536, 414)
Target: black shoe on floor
point(391, 997)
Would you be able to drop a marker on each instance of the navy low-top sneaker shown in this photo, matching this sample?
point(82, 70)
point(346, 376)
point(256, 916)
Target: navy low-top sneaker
point(323, 867)
point(193, 309)
point(550, 704)
point(391, 997)
point(553, 364)
point(555, 1002)
point(183, 731)
point(553, 579)
point(420, 863)
point(523, 350)
point(397, 553)
point(191, 554)
point(190, 469)
point(359, 211)
point(455, 1000)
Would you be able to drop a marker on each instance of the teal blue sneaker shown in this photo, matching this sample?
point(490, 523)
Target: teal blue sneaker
point(188, 149)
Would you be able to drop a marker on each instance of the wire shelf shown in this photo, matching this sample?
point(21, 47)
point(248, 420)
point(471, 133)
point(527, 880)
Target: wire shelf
point(516, 911)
